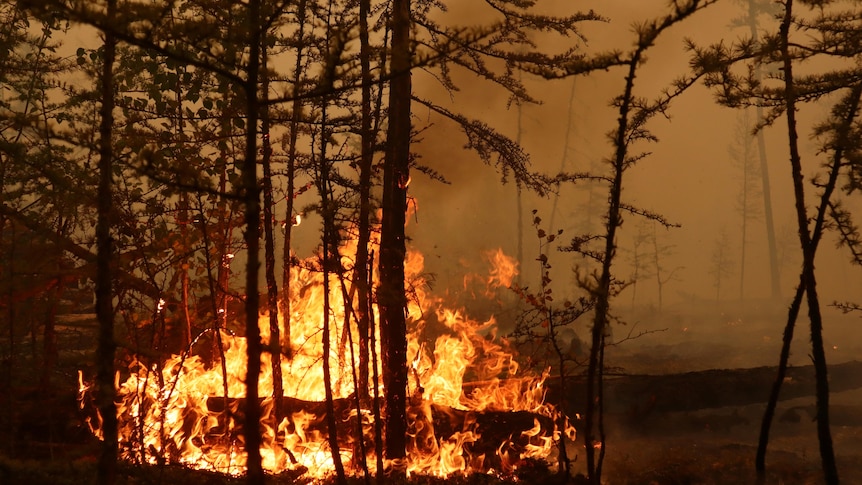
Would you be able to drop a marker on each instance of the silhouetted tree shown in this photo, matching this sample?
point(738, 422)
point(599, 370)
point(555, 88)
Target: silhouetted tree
point(251, 200)
point(633, 114)
point(391, 295)
point(638, 258)
point(104, 277)
point(37, 179)
point(720, 267)
point(741, 153)
point(783, 98)
point(659, 254)
point(755, 10)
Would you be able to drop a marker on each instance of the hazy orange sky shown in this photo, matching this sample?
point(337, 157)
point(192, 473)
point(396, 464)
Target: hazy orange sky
point(689, 178)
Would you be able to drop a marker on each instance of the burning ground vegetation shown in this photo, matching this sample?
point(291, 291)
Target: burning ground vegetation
point(476, 415)
point(472, 408)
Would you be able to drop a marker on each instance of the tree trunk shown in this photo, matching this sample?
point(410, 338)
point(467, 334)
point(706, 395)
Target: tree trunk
point(808, 244)
point(375, 383)
point(183, 222)
point(251, 198)
point(764, 170)
point(391, 297)
point(295, 116)
point(603, 292)
point(107, 467)
point(743, 236)
point(269, 252)
point(360, 279)
point(329, 261)
point(659, 279)
point(49, 332)
point(817, 342)
point(331, 423)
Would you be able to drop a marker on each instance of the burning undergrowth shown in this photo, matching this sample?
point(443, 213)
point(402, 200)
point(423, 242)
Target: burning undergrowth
point(472, 408)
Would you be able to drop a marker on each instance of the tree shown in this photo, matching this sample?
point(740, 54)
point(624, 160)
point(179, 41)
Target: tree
point(638, 255)
point(104, 293)
point(784, 99)
point(633, 112)
point(720, 267)
point(754, 10)
point(251, 201)
point(659, 255)
point(742, 154)
point(391, 296)
point(34, 177)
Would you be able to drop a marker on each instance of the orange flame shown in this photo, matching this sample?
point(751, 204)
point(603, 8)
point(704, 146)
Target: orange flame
point(178, 411)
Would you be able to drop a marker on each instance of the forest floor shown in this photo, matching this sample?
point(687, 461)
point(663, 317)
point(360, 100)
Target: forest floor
point(44, 441)
point(717, 445)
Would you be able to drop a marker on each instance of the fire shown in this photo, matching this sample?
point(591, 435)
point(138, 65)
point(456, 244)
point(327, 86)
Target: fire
point(504, 269)
point(464, 384)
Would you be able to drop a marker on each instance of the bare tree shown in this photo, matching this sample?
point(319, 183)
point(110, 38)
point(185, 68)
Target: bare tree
point(741, 152)
point(638, 259)
point(660, 254)
point(721, 262)
point(755, 9)
point(104, 277)
point(251, 201)
point(633, 113)
point(783, 98)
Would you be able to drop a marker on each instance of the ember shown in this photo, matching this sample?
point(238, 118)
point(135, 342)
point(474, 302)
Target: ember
point(472, 408)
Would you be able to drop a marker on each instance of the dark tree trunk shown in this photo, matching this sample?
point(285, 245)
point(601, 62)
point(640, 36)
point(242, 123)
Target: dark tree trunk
point(563, 461)
point(295, 116)
point(764, 169)
point(329, 259)
point(361, 272)
point(251, 198)
point(331, 422)
point(824, 433)
point(807, 278)
point(107, 468)
point(809, 246)
point(183, 219)
point(269, 253)
point(183, 222)
point(364, 229)
point(375, 382)
point(391, 297)
point(49, 334)
point(775, 390)
point(603, 293)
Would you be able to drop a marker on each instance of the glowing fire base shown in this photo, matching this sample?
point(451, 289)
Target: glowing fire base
point(177, 412)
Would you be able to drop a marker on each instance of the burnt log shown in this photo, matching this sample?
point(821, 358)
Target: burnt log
point(508, 432)
point(638, 396)
point(482, 433)
point(314, 411)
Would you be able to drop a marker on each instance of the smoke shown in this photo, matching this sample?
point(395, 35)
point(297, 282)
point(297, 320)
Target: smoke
point(688, 176)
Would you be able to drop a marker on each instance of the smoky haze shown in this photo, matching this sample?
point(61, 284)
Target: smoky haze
point(689, 177)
